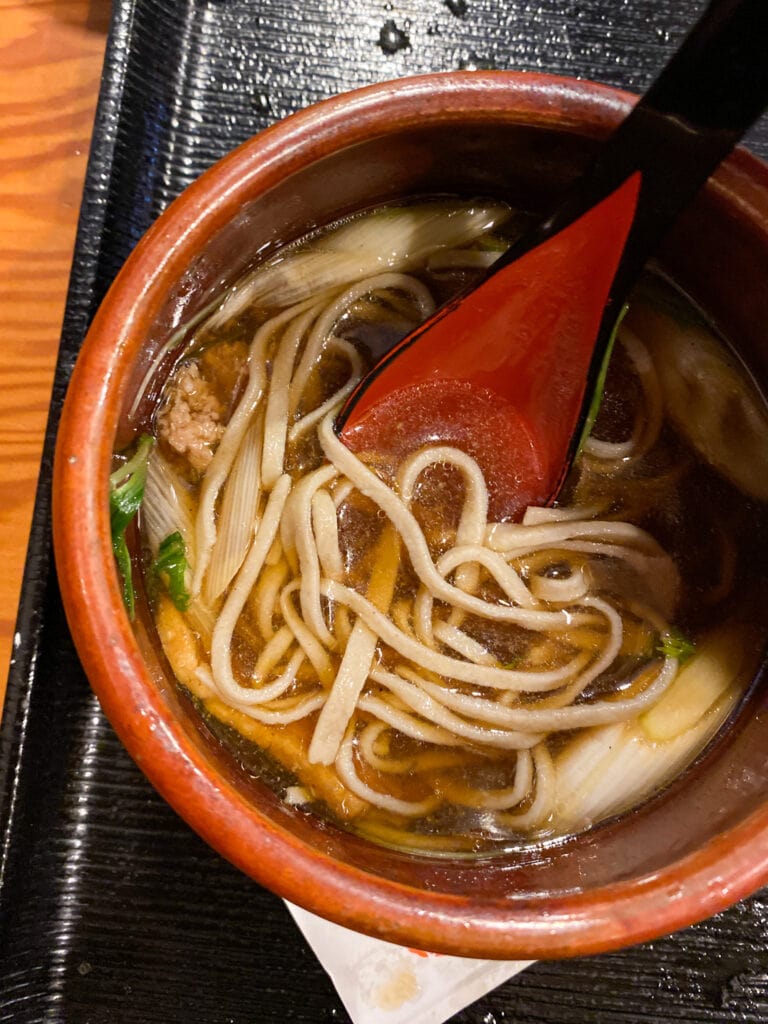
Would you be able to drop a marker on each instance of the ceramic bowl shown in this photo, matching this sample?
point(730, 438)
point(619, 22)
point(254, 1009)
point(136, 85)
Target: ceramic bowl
point(684, 855)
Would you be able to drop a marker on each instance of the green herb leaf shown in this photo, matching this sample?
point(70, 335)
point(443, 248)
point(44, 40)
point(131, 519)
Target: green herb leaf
point(126, 492)
point(597, 395)
point(674, 645)
point(170, 566)
point(516, 662)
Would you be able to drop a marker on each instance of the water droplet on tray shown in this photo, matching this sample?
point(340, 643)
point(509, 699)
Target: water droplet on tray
point(262, 102)
point(392, 38)
point(457, 7)
point(472, 62)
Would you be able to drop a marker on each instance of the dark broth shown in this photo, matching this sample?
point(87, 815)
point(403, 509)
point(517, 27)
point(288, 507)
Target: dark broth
point(688, 582)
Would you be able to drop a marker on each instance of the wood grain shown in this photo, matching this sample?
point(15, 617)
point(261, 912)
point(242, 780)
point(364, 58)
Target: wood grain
point(50, 65)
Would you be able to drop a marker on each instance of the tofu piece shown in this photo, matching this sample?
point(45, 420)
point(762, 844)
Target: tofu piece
point(287, 744)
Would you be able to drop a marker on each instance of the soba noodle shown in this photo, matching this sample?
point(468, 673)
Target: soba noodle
point(425, 675)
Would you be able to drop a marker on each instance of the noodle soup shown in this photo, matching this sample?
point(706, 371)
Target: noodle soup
point(364, 633)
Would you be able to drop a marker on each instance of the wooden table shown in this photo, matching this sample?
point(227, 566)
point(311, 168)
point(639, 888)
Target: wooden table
point(50, 65)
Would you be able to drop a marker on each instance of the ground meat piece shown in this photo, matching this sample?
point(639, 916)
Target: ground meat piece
point(190, 419)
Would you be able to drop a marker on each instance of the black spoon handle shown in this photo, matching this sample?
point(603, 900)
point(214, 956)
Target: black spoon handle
point(705, 99)
point(707, 96)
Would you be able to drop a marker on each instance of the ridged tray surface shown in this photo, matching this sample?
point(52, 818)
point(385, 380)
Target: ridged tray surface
point(111, 909)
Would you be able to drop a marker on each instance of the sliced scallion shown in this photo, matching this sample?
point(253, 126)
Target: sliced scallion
point(126, 492)
point(171, 567)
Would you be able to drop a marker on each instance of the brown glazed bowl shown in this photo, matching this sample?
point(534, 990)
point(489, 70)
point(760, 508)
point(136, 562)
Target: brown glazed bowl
point(700, 845)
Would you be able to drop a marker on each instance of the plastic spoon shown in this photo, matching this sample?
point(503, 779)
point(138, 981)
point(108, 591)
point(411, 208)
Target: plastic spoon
point(507, 370)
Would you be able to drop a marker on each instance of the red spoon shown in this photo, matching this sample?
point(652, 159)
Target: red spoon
point(507, 371)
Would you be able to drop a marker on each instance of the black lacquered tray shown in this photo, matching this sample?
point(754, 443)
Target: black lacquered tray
point(111, 909)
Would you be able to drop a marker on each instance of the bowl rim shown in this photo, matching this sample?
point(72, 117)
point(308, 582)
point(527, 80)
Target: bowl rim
point(728, 867)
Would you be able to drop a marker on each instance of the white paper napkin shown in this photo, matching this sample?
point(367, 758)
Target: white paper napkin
point(381, 983)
